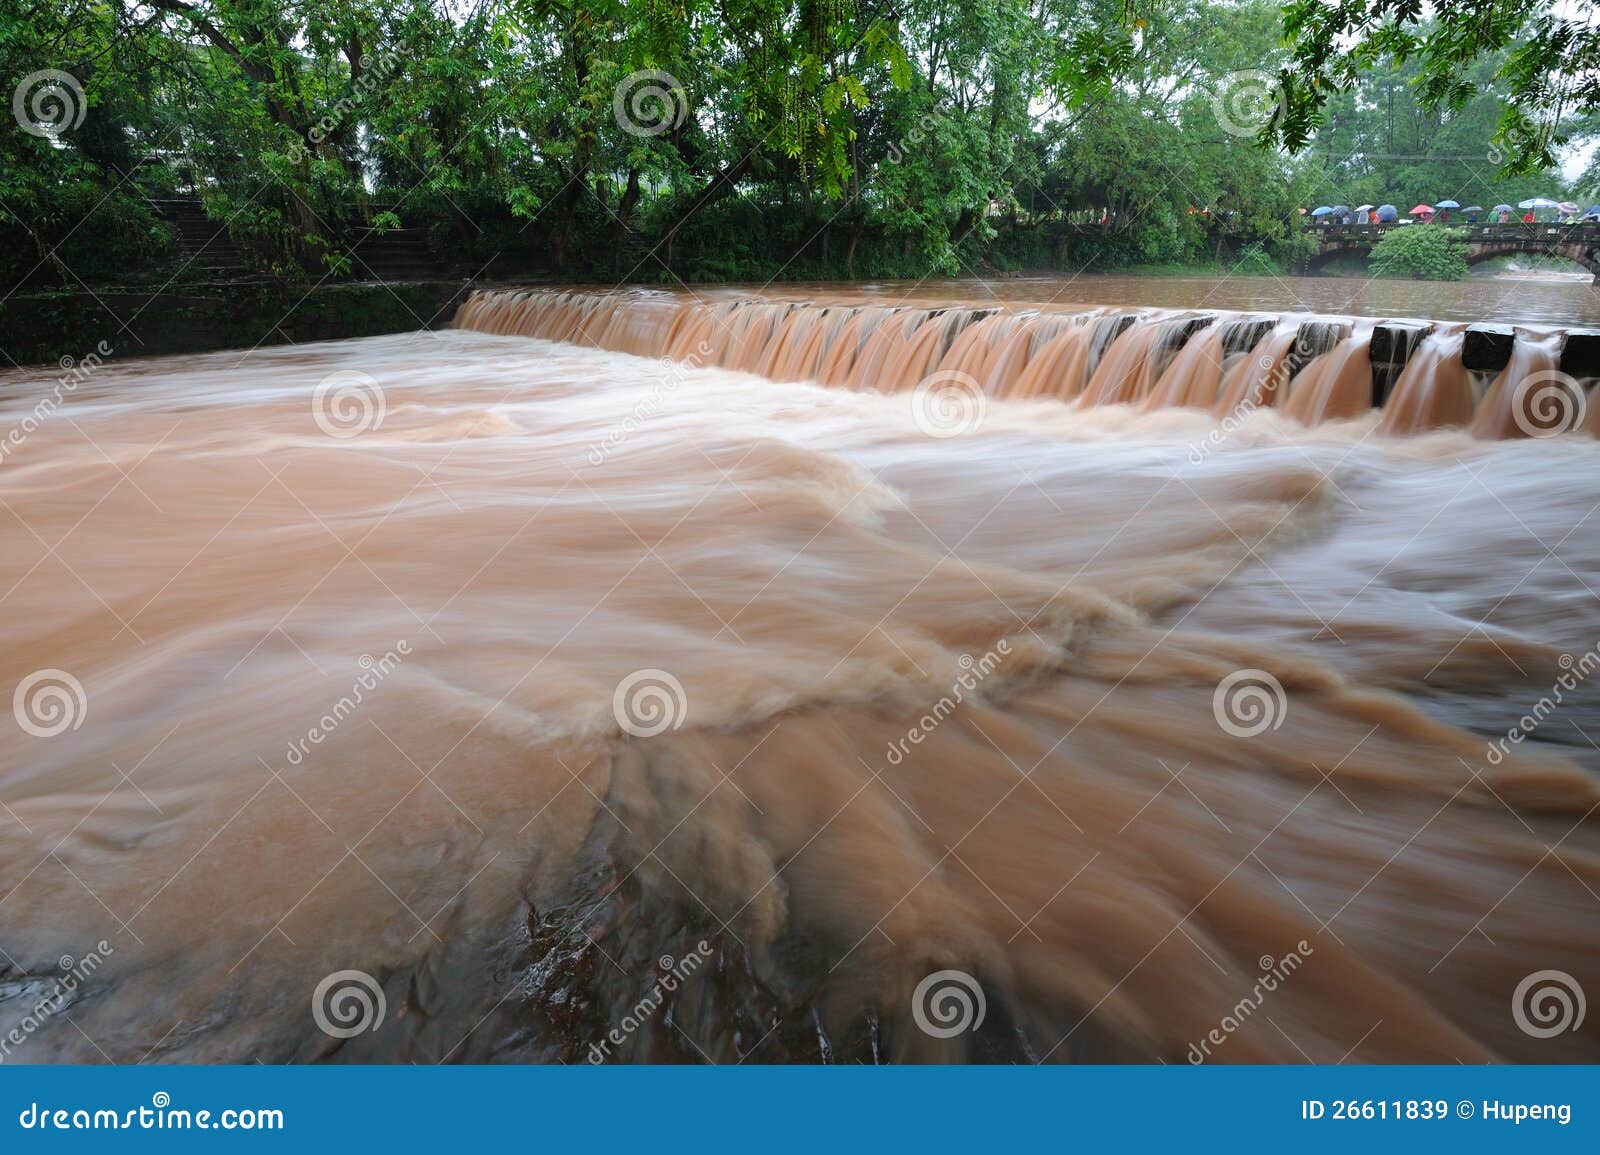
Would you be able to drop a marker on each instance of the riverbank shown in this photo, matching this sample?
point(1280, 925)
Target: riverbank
point(48, 327)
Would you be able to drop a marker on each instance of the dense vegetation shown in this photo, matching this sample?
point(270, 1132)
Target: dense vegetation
point(1426, 252)
point(667, 139)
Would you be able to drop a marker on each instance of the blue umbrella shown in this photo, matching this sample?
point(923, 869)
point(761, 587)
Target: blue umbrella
point(1591, 213)
point(1446, 204)
point(1388, 213)
point(1321, 211)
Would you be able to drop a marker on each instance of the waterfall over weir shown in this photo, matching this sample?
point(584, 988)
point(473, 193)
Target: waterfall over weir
point(1497, 383)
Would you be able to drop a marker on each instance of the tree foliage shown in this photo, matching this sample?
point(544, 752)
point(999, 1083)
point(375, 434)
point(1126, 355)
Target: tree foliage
point(1424, 252)
point(692, 139)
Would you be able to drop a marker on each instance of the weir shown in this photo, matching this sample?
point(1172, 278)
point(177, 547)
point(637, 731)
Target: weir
point(1490, 379)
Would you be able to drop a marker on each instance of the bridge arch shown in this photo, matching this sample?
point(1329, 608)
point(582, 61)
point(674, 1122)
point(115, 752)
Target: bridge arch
point(1577, 254)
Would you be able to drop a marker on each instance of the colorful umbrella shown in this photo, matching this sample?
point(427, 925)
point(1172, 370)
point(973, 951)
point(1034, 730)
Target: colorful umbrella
point(1421, 210)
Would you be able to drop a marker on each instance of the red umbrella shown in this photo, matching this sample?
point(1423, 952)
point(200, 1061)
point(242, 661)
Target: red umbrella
point(1422, 211)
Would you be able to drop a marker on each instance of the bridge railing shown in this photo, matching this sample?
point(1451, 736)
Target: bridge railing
point(1547, 231)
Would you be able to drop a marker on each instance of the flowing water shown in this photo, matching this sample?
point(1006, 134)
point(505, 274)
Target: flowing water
point(510, 671)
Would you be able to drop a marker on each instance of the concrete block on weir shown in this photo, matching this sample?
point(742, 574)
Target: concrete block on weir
point(1245, 334)
point(1580, 353)
point(1311, 340)
point(1487, 348)
point(1393, 344)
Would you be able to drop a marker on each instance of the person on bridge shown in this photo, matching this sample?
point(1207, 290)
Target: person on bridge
point(1527, 217)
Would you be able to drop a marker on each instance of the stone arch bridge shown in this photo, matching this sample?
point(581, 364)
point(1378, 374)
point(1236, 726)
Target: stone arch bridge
point(1578, 243)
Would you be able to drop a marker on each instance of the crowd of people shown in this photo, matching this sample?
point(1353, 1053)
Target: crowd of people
point(1534, 210)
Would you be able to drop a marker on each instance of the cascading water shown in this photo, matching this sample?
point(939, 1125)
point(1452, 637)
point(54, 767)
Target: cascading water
point(1311, 370)
point(512, 674)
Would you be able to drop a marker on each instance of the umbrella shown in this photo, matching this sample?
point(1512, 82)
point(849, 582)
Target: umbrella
point(1473, 209)
point(1387, 213)
point(1537, 203)
point(1421, 210)
point(1321, 211)
point(1448, 205)
point(1341, 208)
point(1566, 208)
point(1365, 208)
point(1501, 209)
point(1593, 211)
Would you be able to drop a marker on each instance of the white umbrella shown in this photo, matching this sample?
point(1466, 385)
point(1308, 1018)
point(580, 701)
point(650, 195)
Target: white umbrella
point(1537, 203)
point(1365, 208)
